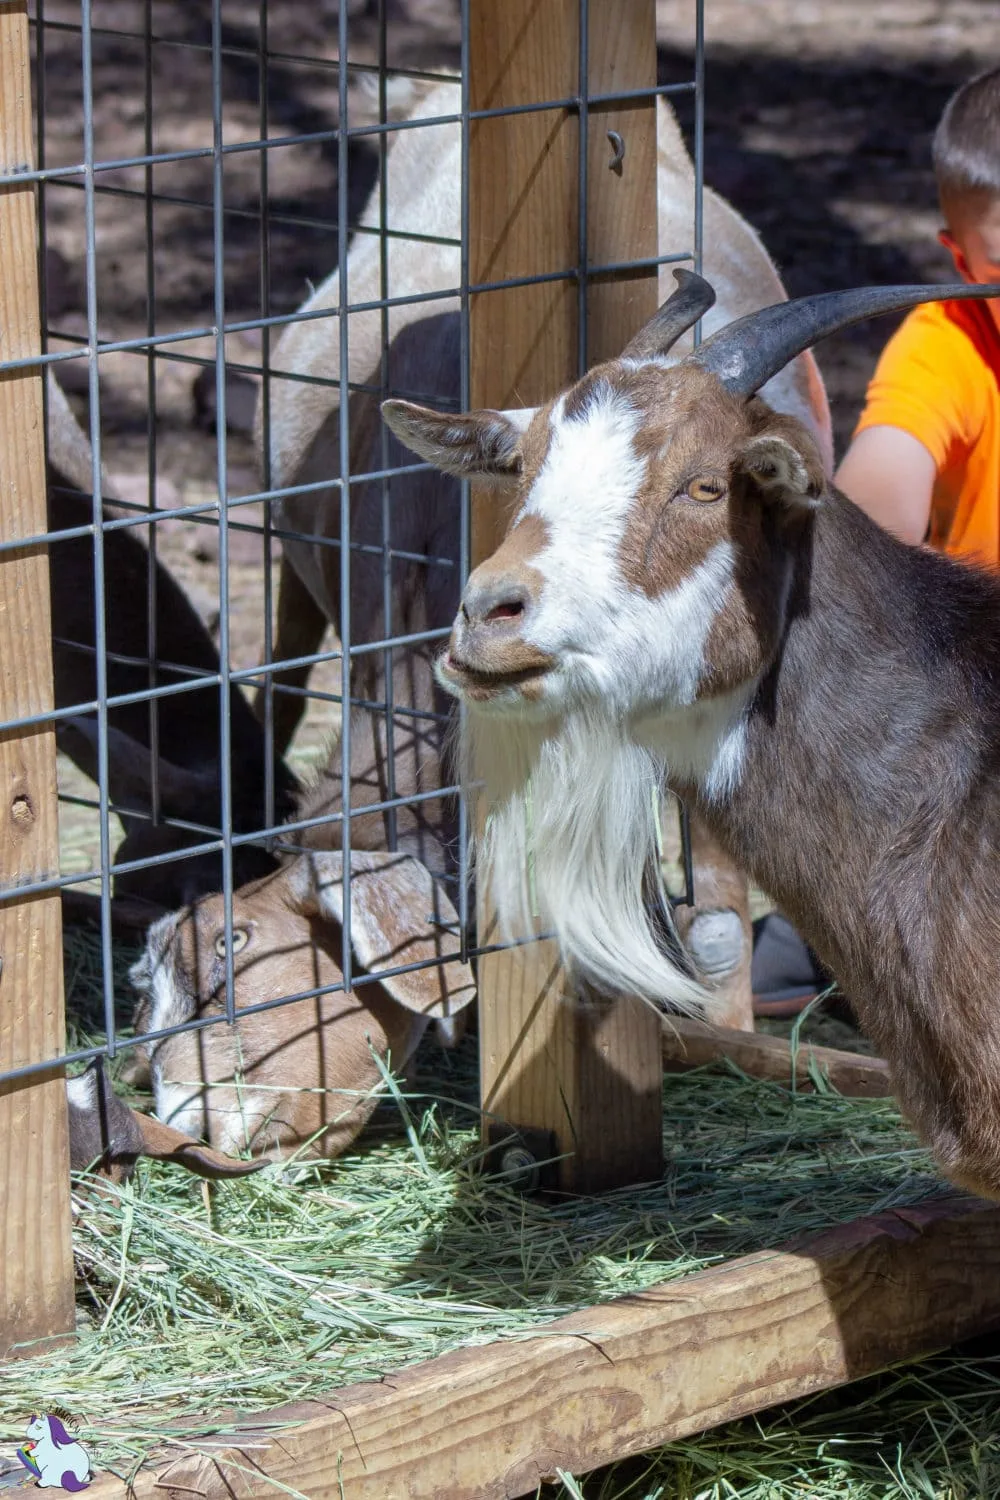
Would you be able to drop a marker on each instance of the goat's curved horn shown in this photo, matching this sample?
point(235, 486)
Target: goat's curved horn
point(164, 1143)
point(680, 312)
point(745, 354)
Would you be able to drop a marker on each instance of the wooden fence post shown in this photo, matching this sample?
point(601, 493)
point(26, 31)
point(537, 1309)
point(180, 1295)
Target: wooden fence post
point(587, 1077)
point(36, 1280)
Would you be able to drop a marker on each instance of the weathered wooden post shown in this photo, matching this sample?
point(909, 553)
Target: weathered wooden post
point(589, 1075)
point(36, 1281)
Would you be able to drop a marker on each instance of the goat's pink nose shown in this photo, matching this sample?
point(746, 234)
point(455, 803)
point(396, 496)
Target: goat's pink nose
point(494, 600)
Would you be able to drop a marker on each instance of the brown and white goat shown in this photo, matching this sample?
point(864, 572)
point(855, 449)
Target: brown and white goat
point(420, 519)
point(683, 591)
point(305, 1072)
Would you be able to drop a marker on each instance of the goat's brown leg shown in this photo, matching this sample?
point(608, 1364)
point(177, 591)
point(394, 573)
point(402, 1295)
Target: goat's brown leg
point(301, 625)
point(717, 930)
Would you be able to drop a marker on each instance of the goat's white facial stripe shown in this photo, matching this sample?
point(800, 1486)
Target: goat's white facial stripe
point(180, 1105)
point(170, 1006)
point(588, 483)
point(229, 1117)
point(613, 638)
point(590, 478)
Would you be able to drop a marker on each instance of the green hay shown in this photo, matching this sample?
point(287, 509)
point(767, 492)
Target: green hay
point(194, 1308)
point(924, 1432)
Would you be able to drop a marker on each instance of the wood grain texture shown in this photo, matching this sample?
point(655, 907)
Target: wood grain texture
point(621, 207)
point(523, 182)
point(590, 1074)
point(36, 1283)
point(692, 1044)
point(617, 1379)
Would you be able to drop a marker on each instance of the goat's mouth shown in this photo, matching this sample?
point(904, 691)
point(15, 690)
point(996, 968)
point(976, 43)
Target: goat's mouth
point(478, 684)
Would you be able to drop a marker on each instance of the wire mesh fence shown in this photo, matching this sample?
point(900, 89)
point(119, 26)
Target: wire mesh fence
point(244, 246)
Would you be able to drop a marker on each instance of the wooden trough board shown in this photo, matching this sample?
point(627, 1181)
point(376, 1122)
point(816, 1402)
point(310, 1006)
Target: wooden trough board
point(624, 1377)
point(692, 1044)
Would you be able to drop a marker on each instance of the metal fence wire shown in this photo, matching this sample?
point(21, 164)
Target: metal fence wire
point(200, 169)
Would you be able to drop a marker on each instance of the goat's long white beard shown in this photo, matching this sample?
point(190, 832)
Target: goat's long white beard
point(570, 828)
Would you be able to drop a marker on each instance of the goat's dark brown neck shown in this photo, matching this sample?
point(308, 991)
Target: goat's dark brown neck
point(869, 808)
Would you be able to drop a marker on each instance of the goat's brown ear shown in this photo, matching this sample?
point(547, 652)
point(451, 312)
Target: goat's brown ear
point(474, 444)
point(783, 470)
point(399, 916)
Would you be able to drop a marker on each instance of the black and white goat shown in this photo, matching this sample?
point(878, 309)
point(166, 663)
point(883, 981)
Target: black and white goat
point(185, 742)
point(683, 592)
point(184, 755)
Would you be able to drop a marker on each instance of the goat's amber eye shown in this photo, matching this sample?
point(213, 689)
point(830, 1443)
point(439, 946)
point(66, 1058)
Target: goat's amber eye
point(705, 488)
point(240, 939)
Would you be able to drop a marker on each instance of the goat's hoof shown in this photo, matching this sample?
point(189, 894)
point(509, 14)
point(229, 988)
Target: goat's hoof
point(715, 941)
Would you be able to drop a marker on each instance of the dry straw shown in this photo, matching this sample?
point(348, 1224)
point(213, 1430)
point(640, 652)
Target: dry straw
point(195, 1308)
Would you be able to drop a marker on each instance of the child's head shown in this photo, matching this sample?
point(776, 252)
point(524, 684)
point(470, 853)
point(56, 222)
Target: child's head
point(967, 167)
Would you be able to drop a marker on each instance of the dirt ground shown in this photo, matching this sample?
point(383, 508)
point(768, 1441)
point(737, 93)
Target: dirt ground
point(818, 125)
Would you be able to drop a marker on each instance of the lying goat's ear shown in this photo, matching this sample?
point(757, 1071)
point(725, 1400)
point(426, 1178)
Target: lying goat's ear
point(782, 470)
point(399, 916)
point(473, 445)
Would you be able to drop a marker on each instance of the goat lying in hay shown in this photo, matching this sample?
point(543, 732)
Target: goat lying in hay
point(683, 592)
point(305, 1071)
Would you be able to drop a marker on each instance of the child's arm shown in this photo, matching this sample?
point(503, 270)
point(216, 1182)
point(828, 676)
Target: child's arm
point(890, 474)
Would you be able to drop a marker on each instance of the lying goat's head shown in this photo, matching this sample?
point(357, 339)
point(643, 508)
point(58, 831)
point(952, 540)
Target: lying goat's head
point(284, 1075)
point(618, 632)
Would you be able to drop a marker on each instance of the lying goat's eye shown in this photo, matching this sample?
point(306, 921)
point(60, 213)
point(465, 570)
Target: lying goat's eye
point(240, 939)
point(705, 489)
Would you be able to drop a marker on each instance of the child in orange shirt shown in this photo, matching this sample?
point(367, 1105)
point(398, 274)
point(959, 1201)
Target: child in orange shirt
point(925, 458)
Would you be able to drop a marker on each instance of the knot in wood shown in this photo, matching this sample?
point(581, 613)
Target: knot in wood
point(22, 813)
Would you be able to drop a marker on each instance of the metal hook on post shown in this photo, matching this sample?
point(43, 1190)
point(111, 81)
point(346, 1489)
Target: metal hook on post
point(615, 164)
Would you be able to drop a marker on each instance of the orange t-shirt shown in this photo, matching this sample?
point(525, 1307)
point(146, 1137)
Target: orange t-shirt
point(939, 379)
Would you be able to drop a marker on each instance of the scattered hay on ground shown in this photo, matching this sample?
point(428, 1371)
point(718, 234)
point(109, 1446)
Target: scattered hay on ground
point(195, 1308)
